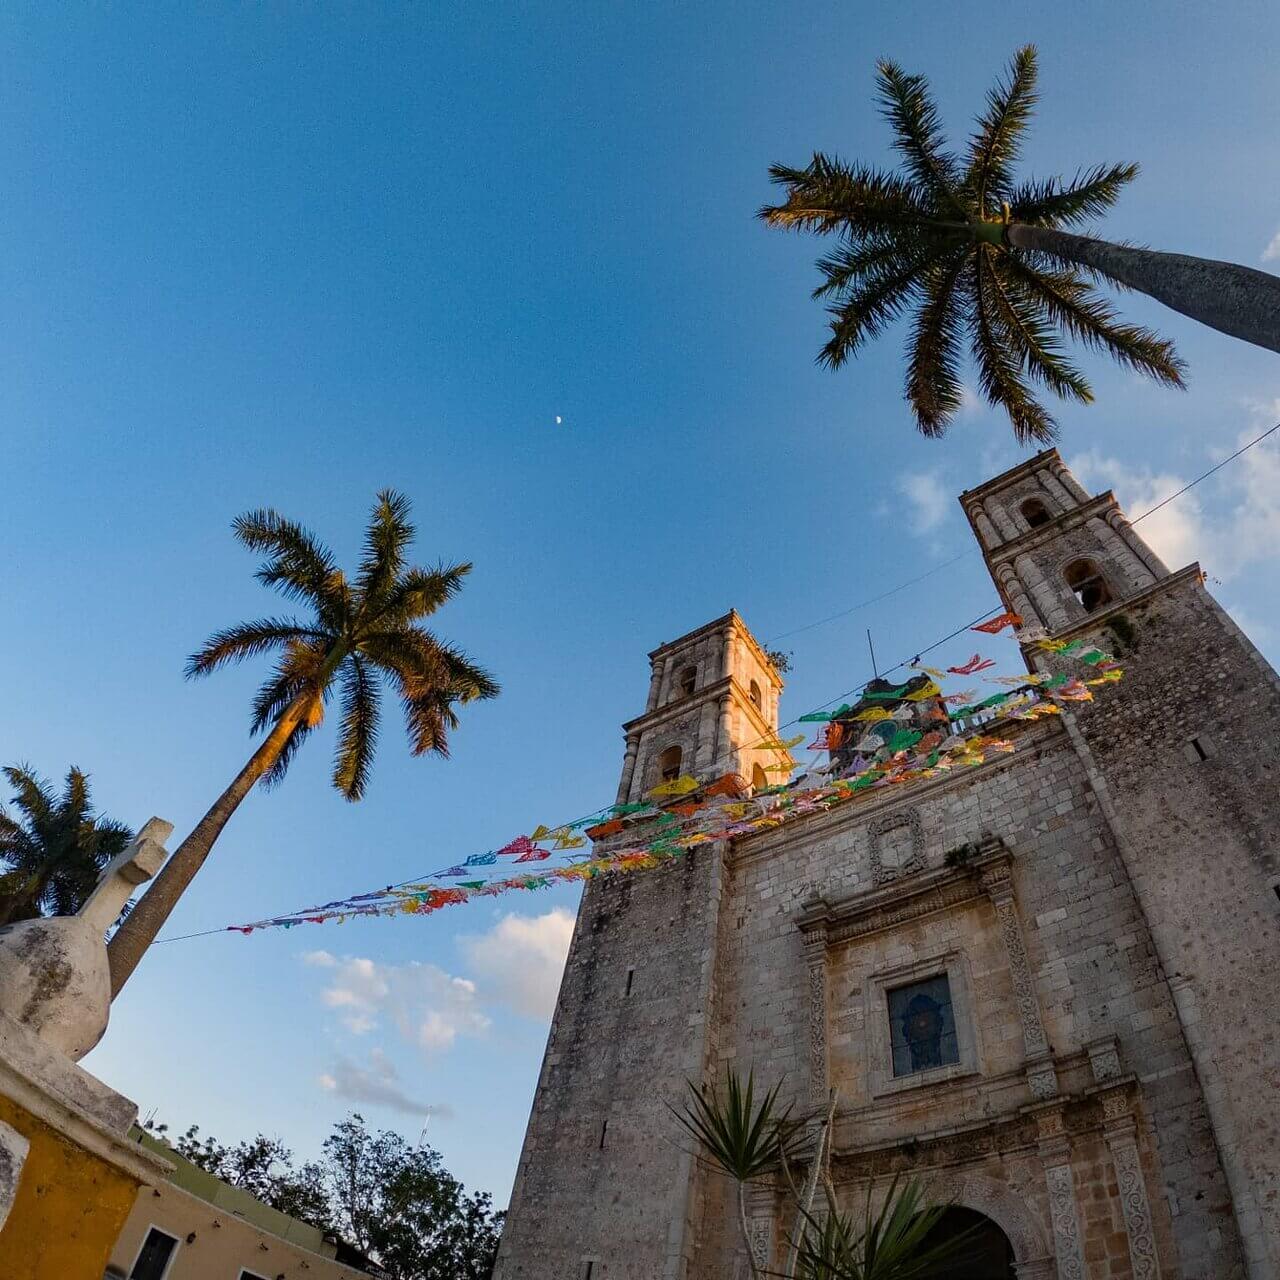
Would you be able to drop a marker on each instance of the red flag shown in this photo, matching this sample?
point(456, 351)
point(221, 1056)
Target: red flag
point(730, 784)
point(603, 829)
point(993, 626)
point(521, 844)
point(973, 666)
point(534, 855)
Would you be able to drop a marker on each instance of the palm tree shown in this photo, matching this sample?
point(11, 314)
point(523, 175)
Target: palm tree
point(973, 252)
point(360, 634)
point(56, 850)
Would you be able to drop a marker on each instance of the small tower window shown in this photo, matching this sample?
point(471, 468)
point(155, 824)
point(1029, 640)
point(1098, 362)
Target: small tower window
point(1090, 587)
point(757, 698)
point(669, 764)
point(686, 681)
point(758, 779)
point(1035, 513)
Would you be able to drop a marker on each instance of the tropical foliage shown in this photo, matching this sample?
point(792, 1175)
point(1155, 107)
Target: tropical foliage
point(982, 260)
point(746, 1137)
point(396, 1203)
point(361, 633)
point(53, 847)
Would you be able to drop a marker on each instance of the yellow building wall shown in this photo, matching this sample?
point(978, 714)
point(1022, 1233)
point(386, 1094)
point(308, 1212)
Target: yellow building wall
point(69, 1208)
point(222, 1244)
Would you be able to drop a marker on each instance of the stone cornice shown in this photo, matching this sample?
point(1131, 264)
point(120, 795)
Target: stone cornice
point(1007, 478)
point(854, 915)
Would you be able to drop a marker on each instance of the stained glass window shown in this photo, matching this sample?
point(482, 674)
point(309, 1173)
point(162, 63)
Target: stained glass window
point(923, 1027)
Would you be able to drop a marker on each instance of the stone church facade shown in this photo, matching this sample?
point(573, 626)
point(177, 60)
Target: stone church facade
point(1086, 929)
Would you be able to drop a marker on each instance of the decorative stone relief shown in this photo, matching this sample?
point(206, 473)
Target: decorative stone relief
point(760, 1213)
point(1066, 1223)
point(1136, 1207)
point(816, 960)
point(13, 1155)
point(1104, 1058)
point(999, 885)
point(897, 846)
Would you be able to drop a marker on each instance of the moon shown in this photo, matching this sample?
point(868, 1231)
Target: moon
point(559, 419)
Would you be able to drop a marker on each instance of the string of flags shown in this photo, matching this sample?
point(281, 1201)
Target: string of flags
point(893, 750)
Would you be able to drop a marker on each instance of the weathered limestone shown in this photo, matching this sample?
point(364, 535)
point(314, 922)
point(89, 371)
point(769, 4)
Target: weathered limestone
point(1108, 936)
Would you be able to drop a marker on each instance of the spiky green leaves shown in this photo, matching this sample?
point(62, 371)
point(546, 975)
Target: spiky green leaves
point(743, 1137)
point(924, 243)
point(362, 635)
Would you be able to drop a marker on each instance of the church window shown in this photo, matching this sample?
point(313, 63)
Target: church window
point(153, 1259)
point(758, 778)
point(922, 1026)
point(757, 698)
point(669, 764)
point(687, 680)
point(1035, 513)
point(1090, 587)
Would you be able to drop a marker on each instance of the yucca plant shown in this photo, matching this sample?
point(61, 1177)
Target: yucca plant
point(362, 632)
point(740, 1136)
point(746, 1138)
point(890, 1245)
point(977, 256)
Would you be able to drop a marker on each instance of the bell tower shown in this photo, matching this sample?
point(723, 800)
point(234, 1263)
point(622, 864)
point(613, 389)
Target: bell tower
point(1057, 555)
point(713, 695)
point(1182, 756)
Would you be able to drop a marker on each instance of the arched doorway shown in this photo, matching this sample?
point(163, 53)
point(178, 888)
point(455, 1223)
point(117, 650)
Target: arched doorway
point(983, 1252)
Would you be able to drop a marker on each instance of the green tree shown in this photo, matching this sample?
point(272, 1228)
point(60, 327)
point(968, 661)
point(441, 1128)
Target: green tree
point(56, 847)
point(399, 1204)
point(361, 632)
point(972, 252)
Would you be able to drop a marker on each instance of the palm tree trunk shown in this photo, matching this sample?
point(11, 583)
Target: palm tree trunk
point(1233, 299)
point(144, 922)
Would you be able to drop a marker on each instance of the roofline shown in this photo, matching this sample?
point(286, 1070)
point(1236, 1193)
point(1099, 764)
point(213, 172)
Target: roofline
point(734, 621)
point(1005, 477)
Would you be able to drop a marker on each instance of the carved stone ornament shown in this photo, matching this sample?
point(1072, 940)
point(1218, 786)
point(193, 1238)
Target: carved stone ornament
point(816, 960)
point(1066, 1222)
point(1136, 1207)
point(897, 846)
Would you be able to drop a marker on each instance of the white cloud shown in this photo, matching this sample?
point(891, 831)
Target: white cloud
point(519, 961)
point(1242, 526)
point(379, 1084)
point(1272, 251)
point(429, 1007)
point(929, 500)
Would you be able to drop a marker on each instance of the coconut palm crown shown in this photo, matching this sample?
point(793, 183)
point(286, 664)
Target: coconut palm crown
point(362, 633)
point(931, 238)
point(54, 846)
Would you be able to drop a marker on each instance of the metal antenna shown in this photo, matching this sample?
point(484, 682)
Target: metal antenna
point(875, 670)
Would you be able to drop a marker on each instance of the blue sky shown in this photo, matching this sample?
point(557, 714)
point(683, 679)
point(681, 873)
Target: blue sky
point(278, 255)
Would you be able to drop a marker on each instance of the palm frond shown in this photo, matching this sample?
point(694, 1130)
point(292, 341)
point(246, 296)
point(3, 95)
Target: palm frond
point(358, 736)
point(934, 388)
point(276, 774)
point(998, 377)
point(248, 640)
point(75, 795)
point(386, 538)
point(1090, 319)
point(829, 195)
point(32, 794)
point(993, 151)
point(419, 593)
point(1031, 337)
point(1052, 203)
point(907, 104)
point(299, 565)
point(868, 309)
point(425, 662)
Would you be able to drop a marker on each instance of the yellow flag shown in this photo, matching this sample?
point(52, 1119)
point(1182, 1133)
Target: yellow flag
point(680, 786)
point(872, 714)
point(541, 833)
point(930, 690)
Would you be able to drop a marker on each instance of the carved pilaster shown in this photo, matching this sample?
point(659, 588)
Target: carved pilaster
point(761, 1205)
point(1066, 1221)
point(997, 882)
point(1120, 1130)
point(815, 958)
point(628, 767)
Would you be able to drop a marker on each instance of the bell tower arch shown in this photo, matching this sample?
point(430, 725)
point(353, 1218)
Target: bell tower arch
point(1056, 553)
point(713, 695)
